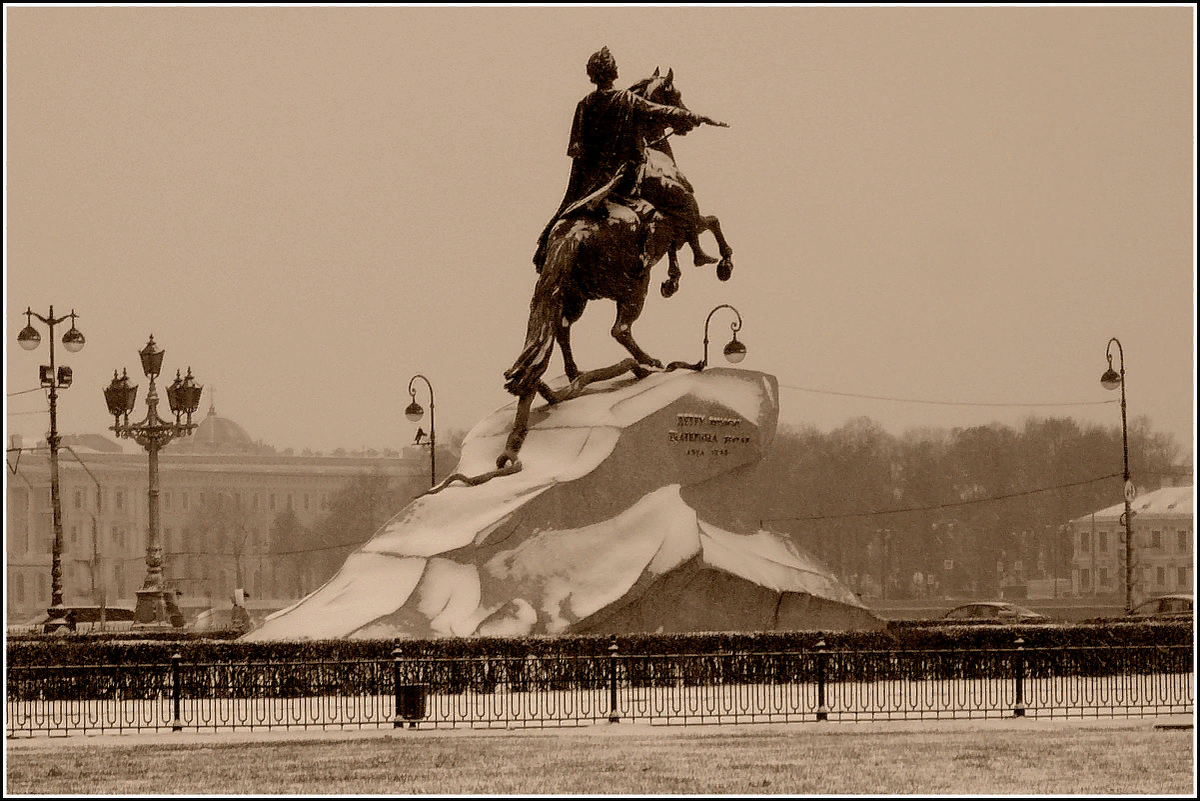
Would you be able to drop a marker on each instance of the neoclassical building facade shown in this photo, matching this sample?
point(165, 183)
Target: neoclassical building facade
point(1163, 546)
point(219, 472)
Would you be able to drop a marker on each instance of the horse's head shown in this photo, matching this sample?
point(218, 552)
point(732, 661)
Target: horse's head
point(660, 89)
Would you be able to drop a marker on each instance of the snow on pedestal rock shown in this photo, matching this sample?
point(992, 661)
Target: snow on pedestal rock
point(629, 514)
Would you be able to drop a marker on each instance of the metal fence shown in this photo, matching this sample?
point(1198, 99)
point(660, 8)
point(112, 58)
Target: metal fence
point(550, 691)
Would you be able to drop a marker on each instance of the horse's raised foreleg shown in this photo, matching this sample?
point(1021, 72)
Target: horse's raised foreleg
point(725, 265)
point(671, 285)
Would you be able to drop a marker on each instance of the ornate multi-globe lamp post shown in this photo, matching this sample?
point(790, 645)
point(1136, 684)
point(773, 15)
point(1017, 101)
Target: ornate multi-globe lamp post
point(54, 378)
point(153, 433)
point(1113, 379)
point(414, 412)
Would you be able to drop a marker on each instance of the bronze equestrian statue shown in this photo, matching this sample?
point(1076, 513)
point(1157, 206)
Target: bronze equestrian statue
point(626, 206)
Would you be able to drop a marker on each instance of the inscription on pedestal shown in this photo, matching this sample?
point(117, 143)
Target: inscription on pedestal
point(708, 436)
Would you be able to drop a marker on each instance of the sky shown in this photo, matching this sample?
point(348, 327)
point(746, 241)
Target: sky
point(940, 216)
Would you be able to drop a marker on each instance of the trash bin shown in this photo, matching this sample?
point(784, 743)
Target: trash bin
point(410, 703)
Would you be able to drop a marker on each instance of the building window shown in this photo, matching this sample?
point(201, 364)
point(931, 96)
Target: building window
point(1183, 581)
point(1104, 577)
point(20, 588)
point(166, 500)
point(1102, 542)
point(271, 502)
point(306, 501)
point(1155, 539)
point(200, 499)
point(289, 501)
point(119, 499)
point(41, 588)
point(1160, 576)
point(1085, 580)
point(255, 501)
point(1181, 542)
point(74, 533)
point(166, 540)
point(78, 499)
point(1085, 542)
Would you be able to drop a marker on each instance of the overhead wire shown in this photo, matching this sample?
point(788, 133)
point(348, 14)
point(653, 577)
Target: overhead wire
point(946, 505)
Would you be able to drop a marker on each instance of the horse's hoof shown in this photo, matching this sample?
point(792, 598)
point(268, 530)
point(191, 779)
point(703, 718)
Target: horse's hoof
point(724, 269)
point(670, 287)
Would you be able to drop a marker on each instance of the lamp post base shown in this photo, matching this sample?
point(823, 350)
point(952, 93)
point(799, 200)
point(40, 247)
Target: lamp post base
point(151, 608)
point(56, 620)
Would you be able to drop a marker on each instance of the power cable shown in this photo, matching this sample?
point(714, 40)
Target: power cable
point(938, 402)
point(948, 505)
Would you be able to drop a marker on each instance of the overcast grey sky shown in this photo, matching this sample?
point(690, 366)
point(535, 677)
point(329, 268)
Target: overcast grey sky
point(307, 206)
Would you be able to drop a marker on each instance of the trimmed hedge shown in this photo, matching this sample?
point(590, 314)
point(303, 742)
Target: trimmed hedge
point(81, 649)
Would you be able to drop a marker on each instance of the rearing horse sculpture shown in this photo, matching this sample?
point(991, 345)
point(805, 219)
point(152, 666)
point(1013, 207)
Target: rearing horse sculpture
point(590, 257)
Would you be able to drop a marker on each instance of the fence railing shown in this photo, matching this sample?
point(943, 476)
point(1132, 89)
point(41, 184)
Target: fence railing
point(549, 691)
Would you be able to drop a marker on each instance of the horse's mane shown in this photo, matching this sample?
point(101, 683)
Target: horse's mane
point(639, 88)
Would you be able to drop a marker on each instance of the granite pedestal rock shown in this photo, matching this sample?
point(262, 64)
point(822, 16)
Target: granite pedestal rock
point(630, 514)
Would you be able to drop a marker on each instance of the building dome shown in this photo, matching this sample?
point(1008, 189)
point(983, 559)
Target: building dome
point(216, 434)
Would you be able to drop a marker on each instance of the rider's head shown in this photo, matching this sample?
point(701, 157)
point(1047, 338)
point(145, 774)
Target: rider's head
point(602, 67)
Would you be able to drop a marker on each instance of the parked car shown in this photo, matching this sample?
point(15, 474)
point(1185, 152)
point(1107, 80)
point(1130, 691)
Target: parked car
point(82, 619)
point(1165, 606)
point(993, 611)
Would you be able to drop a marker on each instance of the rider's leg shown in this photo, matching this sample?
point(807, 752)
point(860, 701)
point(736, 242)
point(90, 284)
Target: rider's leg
point(674, 200)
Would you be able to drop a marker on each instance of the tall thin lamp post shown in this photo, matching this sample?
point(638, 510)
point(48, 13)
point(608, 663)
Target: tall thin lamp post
point(734, 350)
point(414, 412)
point(1112, 379)
point(53, 377)
point(153, 433)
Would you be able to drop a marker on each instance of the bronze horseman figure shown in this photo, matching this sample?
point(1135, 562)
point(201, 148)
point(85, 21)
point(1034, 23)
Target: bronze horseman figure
point(626, 206)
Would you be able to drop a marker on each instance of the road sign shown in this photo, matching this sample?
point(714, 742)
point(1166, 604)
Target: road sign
point(1130, 491)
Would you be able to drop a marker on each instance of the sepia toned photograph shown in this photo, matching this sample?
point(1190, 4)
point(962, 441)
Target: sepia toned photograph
point(603, 400)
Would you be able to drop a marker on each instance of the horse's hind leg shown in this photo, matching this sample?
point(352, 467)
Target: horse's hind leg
point(572, 310)
point(628, 311)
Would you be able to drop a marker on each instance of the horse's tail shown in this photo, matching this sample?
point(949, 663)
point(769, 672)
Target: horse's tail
point(545, 315)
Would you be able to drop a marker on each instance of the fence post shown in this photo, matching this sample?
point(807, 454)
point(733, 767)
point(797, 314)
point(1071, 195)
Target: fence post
point(397, 720)
point(822, 709)
point(1019, 678)
point(176, 693)
point(613, 717)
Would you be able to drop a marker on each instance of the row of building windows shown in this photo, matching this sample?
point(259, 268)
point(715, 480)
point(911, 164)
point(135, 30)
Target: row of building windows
point(184, 500)
point(1152, 577)
point(1153, 539)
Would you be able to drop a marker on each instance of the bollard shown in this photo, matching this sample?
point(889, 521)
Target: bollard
point(1019, 678)
point(176, 693)
point(822, 709)
point(397, 720)
point(613, 717)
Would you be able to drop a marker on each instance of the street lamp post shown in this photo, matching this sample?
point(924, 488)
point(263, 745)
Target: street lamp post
point(54, 378)
point(153, 433)
point(414, 412)
point(734, 350)
point(1113, 379)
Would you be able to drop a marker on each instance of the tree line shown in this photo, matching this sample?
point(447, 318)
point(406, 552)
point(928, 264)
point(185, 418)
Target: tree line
point(958, 512)
point(934, 512)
